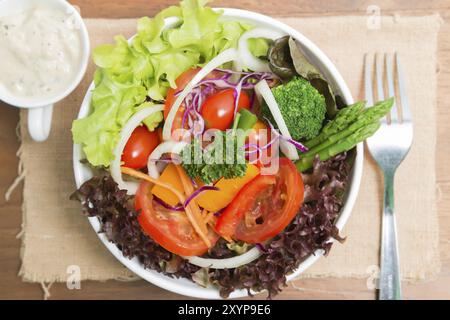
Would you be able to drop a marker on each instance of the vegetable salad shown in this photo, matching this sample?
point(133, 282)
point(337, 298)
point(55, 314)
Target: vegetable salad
point(222, 154)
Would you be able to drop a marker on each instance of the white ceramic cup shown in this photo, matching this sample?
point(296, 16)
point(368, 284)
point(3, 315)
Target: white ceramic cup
point(40, 109)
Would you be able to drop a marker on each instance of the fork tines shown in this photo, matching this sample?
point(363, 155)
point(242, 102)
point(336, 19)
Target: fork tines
point(388, 78)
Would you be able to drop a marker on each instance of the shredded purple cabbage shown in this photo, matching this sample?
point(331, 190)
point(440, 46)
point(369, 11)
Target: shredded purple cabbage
point(206, 87)
point(197, 192)
point(218, 213)
point(298, 145)
point(166, 205)
point(261, 247)
point(310, 230)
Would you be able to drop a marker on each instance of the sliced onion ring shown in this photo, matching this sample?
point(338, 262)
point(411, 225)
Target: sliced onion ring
point(224, 57)
point(247, 59)
point(125, 134)
point(227, 263)
point(262, 89)
point(162, 148)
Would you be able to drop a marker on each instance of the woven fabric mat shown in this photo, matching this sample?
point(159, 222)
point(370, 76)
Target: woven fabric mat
point(56, 236)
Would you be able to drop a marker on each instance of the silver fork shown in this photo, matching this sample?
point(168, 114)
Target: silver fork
point(388, 147)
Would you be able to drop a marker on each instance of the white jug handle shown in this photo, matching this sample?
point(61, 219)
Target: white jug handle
point(39, 122)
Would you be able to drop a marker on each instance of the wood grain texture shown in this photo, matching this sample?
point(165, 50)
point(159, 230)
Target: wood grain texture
point(11, 286)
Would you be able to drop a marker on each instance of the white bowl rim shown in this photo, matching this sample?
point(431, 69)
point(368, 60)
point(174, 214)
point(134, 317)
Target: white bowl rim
point(184, 286)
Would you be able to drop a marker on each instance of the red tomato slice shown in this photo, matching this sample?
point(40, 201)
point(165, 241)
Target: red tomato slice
point(170, 229)
point(218, 108)
point(229, 220)
point(264, 207)
point(141, 144)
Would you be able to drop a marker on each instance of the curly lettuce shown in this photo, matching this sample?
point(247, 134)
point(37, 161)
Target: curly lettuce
point(130, 74)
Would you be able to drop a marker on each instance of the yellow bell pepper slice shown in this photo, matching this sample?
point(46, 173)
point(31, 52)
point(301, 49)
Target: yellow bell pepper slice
point(169, 176)
point(213, 200)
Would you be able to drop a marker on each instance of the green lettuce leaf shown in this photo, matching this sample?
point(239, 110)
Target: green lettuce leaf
point(113, 104)
point(152, 121)
point(258, 47)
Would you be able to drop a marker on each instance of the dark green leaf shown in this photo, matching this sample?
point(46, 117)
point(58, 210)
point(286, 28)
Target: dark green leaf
point(280, 60)
point(324, 88)
point(304, 68)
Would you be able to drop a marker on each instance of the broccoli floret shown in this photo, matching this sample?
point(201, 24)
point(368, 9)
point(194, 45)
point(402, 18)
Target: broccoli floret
point(303, 108)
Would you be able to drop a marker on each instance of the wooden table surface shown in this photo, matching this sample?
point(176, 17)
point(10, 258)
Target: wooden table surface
point(11, 286)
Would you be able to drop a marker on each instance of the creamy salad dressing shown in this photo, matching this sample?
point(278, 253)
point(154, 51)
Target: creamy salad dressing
point(40, 52)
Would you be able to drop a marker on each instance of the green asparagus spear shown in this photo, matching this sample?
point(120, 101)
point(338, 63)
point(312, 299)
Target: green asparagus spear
point(342, 145)
point(368, 116)
point(374, 113)
point(330, 140)
point(353, 118)
point(344, 117)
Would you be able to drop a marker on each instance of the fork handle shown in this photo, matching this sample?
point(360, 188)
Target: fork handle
point(390, 287)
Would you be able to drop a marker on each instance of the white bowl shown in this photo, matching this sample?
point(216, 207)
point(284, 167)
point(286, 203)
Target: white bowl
point(184, 286)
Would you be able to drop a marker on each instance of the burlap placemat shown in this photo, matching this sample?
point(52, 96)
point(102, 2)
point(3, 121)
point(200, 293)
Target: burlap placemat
point(55, 236)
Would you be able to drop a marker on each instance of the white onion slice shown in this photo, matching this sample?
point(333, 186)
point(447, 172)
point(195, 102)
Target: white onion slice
point(125, 134)
point(228, 263)
point(162, 148)
point(247, 59)
point(224, 57)
point(263, 89)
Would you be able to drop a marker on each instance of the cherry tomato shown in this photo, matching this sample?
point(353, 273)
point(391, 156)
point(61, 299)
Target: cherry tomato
point(141, 144)
point(218, 108)
point(170, 229)
point(261, 136)
point(260, 133)
point(181, 83)
point(264, 207)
